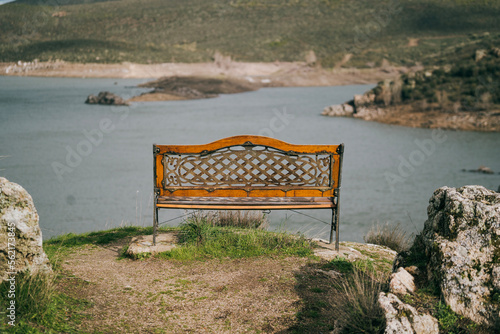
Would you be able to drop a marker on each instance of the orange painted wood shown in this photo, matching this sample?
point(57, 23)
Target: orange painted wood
point(243, 207)
point(241, 203)
point(268, 191)
point(240, 140)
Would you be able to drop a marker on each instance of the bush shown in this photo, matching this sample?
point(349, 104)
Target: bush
point(392, 236)
point(359, 310)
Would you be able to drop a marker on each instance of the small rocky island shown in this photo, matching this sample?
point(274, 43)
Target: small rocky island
point(106, 98)
point(462, 96)
point(191, 87)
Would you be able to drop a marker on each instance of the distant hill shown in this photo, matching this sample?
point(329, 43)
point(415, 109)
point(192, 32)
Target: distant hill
point(151, 31)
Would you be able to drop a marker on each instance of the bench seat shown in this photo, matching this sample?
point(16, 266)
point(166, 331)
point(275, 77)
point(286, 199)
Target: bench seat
point(245, 203)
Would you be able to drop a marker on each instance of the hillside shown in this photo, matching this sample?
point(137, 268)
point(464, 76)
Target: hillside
point(403, 32)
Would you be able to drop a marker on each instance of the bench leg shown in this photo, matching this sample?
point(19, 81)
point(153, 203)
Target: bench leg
point(332, 225)
point(155, 223)
point(335, 227)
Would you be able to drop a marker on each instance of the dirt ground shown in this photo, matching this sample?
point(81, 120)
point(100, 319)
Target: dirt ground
point(161, 296)
point(259, 295)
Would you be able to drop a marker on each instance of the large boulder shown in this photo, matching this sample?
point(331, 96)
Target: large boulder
point(461, 239)
point(20, 235)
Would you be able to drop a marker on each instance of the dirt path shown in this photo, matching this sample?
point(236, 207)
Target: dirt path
point(265, 294)
point(161, 296)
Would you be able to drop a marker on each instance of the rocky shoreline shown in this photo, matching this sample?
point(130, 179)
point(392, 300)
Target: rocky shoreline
point(462, 95)
point(416, 115)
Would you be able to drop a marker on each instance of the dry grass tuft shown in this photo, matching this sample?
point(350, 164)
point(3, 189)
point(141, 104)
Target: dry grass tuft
point(226, 218)
point(358, 310)
point(392, 236)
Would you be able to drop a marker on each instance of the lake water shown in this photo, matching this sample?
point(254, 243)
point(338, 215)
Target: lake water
point(110, 182)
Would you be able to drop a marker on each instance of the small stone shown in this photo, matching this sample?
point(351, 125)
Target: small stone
point(402, 283)
point(413, 270)
point(480, 54)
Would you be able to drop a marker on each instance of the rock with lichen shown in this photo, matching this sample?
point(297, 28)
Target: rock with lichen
point(461, 239)
point(402, 318)
point(20, 235)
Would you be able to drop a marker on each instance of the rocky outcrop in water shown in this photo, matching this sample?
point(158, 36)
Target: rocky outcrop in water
point(481, 169)
point(460, 96)
point(20, 235)
point(106, 98)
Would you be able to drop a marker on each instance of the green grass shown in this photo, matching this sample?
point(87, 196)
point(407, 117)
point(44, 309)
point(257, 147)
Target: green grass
point(39, 307)
point(56, 248)
point(200, 240)
point(339, 264)
point(246, 30)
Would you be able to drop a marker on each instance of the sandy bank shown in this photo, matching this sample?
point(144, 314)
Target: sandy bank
point(271, 74)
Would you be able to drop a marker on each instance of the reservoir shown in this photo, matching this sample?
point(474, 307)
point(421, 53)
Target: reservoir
point(89, 167)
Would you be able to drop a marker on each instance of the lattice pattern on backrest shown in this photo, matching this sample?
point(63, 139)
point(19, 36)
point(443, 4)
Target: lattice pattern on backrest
point(247, 166)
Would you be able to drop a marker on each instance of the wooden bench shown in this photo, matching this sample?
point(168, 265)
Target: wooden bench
point(248, 173)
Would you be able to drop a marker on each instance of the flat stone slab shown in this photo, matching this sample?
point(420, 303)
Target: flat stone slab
point(351, 251)
point(144, 244)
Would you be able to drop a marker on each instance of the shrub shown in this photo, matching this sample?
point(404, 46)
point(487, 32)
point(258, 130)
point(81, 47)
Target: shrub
point(392, 236)
point(359, 310)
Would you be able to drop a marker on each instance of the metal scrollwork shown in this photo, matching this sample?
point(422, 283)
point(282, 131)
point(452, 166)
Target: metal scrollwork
point(247, 166)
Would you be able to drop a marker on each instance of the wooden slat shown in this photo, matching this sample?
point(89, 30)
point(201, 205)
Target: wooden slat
point(245, 203)
point(246, 199)
point(243, 193)
point(245, 207)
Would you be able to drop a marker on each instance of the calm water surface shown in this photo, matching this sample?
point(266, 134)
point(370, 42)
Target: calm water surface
point(110, 183)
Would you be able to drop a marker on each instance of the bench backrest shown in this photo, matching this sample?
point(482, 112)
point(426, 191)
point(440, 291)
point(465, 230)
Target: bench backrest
point(247, 166)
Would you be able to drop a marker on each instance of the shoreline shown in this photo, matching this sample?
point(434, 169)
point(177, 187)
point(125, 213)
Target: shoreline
point(276, 74)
